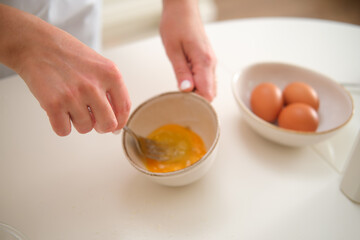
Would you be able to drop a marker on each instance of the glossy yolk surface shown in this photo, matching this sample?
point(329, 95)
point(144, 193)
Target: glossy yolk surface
point(189, 148)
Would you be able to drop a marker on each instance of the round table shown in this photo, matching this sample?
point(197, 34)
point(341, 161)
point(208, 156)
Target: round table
point(82, 186)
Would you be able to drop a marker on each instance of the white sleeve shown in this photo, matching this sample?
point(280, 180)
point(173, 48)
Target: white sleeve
point(80, 18)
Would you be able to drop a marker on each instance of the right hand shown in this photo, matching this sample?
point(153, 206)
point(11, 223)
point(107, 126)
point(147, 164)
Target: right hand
point(71, 81)
point(188, 47)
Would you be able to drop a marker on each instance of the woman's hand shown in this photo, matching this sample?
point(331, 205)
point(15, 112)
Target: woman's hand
point(71, 81)
point(188, 48)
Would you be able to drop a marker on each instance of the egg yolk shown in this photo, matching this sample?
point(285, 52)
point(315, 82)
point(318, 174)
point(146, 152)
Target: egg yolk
point(189, 148)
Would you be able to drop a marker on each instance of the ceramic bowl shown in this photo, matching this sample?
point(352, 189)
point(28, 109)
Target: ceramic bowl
point(185, 109)
point(335, 110)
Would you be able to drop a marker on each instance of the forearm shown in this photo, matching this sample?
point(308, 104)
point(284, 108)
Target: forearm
point(22, 34)
point(13, 26)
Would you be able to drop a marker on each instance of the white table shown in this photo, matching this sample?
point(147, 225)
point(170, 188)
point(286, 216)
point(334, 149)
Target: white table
point(82, 187)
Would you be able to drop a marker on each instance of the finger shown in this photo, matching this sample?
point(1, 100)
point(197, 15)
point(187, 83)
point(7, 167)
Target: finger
point(182, 69)
point(81, 118)
point(60, 122)
point(204, 64)
point(105, 120)
point(121, 104)
point(205, 83)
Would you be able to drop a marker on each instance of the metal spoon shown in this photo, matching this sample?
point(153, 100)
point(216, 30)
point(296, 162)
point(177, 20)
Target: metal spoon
point(150, 148)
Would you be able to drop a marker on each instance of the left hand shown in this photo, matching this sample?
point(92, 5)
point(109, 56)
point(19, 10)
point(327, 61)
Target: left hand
point(188, 47)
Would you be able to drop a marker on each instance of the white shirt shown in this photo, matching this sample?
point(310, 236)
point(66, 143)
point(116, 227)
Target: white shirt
point(80, 18)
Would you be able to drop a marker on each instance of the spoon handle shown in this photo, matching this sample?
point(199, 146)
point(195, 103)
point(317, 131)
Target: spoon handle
point(128, 130)
point(135, 137)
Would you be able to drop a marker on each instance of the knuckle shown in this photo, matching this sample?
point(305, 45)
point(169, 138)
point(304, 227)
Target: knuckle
point(87, 87)
point(83, 126)
point(68, 95)
point(206, 94)
point(62, 132)
point(54, 103)
point(126, 107)
point(208, 59)
point(109, 125)
point(121, 124)
point(112, 70)
point(123, 114)
point(209, 96)
point(84, 129)
point(181, 70)
point(60, 129)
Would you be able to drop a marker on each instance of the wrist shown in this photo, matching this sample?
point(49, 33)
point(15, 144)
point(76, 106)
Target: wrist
point(180, 4)
point(181, 10)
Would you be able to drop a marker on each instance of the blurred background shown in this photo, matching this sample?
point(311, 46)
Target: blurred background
point(129, 20)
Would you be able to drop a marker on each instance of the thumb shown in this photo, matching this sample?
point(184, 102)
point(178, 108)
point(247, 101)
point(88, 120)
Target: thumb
point(183, 72)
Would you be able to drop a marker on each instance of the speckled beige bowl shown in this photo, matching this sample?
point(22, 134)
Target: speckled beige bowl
point(185, 109)
point(335, 110)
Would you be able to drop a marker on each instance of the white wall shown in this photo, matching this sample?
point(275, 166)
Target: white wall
point(128, 20)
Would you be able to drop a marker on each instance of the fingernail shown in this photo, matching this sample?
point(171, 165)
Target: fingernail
point(117, 132)
point(186, 84)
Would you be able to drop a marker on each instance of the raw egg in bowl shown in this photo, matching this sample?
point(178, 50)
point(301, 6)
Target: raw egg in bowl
point(184, 119)
point(305, 107)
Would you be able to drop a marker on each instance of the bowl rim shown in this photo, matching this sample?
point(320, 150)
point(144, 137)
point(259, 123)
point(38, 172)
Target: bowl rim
point(192, 166)
point(237, 74)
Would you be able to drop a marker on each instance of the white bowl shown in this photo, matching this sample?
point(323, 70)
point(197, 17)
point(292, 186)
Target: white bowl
point(185, 109)
point(335, 110)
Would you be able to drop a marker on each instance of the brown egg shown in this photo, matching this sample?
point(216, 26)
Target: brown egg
point(266, 101)
point(300, 117)
point(301, 92)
